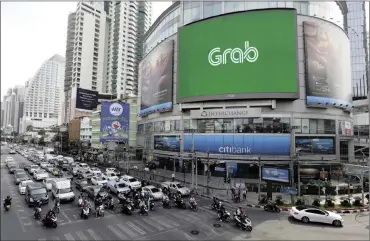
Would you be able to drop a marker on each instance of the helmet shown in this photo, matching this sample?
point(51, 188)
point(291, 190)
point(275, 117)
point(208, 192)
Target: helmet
point(240, 207)
point(8, 197)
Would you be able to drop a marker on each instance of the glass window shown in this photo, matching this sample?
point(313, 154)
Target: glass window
point(313, 126)
point(186, 125)
point(233, 6)
point(177, 125)
point(148, 127)
point(206, 126)
point(191, 12)
point(267, 125)
point(212, 9)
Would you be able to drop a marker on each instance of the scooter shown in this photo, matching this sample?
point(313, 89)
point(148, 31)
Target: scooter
point(216, 204)
point(143, 210)
point(85, 212)
point(181, 204)
point(223, 216)
point(243, 223)
point(151, 205)
point(50, 223)
point(271, 208)
point(100, 211)
point(166, 203)
point(56, 208)
point(127, 209)
point(37, 213)
point(194, 206)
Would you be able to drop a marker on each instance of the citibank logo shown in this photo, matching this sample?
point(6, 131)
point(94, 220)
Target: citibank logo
point(115, 109)
point(229, 149)
point(236, 55)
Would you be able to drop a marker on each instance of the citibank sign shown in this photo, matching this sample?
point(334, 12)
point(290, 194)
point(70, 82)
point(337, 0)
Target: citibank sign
point(226, 113)
point(229, 149)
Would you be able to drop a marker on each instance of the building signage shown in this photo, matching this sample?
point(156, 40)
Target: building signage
point(225, 113)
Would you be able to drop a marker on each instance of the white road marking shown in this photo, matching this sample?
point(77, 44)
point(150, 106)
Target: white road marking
point(164, 224)
point(126, 230)
point(153, 224)
point(139, 230)
point(189, 237)
point(69, 220)
point(144, 226)
point(69, 237)
point(116, 232)
point(81, 235)
point(55, 238)
point(93, 234)
point(41, 239)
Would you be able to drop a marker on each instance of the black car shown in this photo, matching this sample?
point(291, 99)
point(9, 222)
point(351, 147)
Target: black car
point(81, 184)
point(36, 192)
point(92, 191)
point(26, 167)
point(12, 168)
point(19, 177)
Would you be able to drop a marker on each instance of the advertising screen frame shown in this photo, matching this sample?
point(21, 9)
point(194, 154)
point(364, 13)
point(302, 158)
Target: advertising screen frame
point(229, 96)
point(109, 119)
point(86, 100)
point(274, 180)
point(163, 106)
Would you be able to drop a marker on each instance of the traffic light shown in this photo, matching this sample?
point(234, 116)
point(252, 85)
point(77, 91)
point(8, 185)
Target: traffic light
point(225, 176)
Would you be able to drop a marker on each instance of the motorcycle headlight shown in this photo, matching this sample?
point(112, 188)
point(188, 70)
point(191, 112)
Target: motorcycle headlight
point(31, 199)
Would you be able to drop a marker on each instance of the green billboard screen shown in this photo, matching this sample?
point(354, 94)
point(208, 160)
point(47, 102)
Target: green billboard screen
point(241, 55)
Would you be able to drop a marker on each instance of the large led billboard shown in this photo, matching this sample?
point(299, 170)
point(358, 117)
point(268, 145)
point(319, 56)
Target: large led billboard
point(240, 55)
point(156, 79)
point(328, 66)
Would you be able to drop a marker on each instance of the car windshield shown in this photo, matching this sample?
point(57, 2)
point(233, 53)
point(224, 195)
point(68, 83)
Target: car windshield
point(40, 191)
point(154, 190)
point(98, 178)
point(21, 175)
point(25, 184)
point(96, 189)
point(65, 190)
point(41, 172)
point(34, 167)
point(132, 180)
point(121, 185)
point(13, 166)
point(83, 182)
point(179, 186)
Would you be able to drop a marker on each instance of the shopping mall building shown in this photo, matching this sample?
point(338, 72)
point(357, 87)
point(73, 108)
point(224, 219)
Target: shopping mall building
point(243, 82)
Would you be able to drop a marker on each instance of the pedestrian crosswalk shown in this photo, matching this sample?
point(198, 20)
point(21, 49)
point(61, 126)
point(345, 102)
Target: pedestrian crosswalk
point(137, 228)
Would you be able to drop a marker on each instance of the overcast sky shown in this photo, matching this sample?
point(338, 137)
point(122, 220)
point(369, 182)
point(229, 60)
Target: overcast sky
point(31, 33)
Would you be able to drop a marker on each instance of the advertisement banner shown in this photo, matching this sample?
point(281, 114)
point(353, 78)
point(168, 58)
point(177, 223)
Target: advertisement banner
point(345, 128)
point(328, 66)
point(315, 145)
point(242, 55)
point(156, 79)
point(313, 173)
point(226, 113)
point(114, 121)
point(167, 143)
point(275, 174)
point(86, 100)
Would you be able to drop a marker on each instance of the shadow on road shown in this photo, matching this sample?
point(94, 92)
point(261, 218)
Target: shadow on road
point(318, 225)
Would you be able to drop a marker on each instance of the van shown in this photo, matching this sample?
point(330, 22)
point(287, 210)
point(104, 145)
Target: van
point(61, 188)
point(36, 192)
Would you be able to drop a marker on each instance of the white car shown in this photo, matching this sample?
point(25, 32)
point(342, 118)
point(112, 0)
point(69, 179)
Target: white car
point(43, 165)
point(112, 170)
point(83, 166)
point(47, 183)
point(110, 176)
point(152, 191)
point(40, 175)
point(96, 172)
point(100, 181)
point(22, 186)
point(131, 182)
point(117, 187)
point(308, 214)
point(33, 169)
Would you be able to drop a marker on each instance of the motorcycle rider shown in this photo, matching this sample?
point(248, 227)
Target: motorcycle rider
point(240, 212)
point(56, 202)
point(142, 205)
point(37, 207)
point(7, 201)
point(271, 204)
point(192, 201)
point(49, 215)
point(98, 202)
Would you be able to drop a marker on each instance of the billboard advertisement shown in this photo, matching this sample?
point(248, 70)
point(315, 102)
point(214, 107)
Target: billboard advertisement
point(86, 100)
point(240, 55)
point(275, 174)
point(114, 121)
point(156, 79)
point(167, 143)
point(315, 145)
point(328, 65)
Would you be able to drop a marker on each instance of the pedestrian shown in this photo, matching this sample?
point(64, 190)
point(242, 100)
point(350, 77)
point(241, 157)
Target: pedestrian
point(173, 177)
point(245, 194)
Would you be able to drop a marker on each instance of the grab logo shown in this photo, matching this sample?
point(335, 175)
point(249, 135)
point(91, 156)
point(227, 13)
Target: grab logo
point(115, 109)
point(236, 55)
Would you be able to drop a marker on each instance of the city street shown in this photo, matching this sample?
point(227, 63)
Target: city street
point(161, 224)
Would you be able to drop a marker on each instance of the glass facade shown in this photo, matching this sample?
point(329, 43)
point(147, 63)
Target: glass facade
point(356, 29)
point(196, 10)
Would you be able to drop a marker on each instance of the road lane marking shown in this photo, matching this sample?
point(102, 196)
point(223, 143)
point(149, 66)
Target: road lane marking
point(167, 220)
point(116, 232)
point(178, 216)
point(65, 215)
point(144, 226)
point(55, 238)
point(149, 222)
point(41, 239)
point(27, 224)
point(69, 237)
point(139, 230)
point(126, 230)
point(20, 210)
point(93, 234)
point(188, 236)
point(164, 224)
point(81, 236)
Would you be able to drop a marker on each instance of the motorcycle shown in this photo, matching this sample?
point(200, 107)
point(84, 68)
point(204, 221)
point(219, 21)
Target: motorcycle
point(244, 223)
point(80, 202)
point(109, 205)
point(56, 208)
point(272, 208)
point(216, 205)
point(51, 222)
point(180, 203)
point(166, 203)
point(223, 216)
point(37, 213)
point(100, 211)
point(127, 209)
point(143, 210)
point(85, 212)
point(7, 206)
point(151, 205)
point(194, 206)
point(263, 200)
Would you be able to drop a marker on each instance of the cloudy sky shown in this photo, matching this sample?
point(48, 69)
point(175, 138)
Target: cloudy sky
point(33, 32)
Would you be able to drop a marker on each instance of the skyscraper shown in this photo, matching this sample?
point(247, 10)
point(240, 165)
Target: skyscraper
point(13, 107)
point(44, 94)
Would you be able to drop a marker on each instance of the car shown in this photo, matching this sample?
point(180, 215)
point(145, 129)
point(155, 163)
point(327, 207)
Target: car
point(117, 187)
point(13, 167)
point(11, 151)
point(92, 192)
point(110, 176)
point(36, 192)
point(47, 183)
point(131, 182)
point(176, 187)
point(55, 171)
point(83, 166)
point(11, 163)
point(96, 172)
point(100, 181)
point(40, 175)
point(152, 191)
point(308, 214)
point(27, 167)
point(43, 165)
point(113, 170)
point(17, 171)
point(49, 168)
point(85, 174)
point(22, 186)
point(20, 177)
point(33, 169)
point(80, 184)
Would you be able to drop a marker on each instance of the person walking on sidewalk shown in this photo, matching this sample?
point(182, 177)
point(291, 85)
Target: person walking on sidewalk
point(245, 191)
point(173, 177)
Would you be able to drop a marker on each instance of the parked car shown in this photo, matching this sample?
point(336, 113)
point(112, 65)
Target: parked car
point(13, 167)
point(176, 187)
point(152, 191)
point(308, 214)
point(92, 191)
point(80, 184)
point(98, 181)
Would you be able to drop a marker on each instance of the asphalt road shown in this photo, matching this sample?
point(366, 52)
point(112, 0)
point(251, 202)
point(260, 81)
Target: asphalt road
point(162, 224)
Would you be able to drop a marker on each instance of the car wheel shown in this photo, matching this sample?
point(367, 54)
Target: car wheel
point(305, 220)
point(337, 223)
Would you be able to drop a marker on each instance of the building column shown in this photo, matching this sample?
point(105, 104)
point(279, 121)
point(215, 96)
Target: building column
point(351, 150)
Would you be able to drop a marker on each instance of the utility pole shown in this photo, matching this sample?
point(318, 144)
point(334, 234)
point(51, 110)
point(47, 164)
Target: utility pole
point(192, 159)
point(259, 177)
point(208, 173)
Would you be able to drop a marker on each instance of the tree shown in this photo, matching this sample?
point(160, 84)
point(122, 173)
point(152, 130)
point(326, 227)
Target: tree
point(42, 141)
point(41, 132)
point(32, 141)
point(14, 134)
point(29, 128)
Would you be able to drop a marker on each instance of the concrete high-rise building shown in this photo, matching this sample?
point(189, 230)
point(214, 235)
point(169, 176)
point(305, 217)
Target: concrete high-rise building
point(144, 22)
point(2, 115)
point(105, 56)
point(357, 21)
point(13, 107)
point(44, 94)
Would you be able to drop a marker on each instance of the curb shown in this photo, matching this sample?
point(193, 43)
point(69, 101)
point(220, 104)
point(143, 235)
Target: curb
point(284, 209)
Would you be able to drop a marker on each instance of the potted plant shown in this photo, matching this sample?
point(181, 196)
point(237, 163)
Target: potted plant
point(279, 200)
point(329, 202)
point(299, 201)
point(316, 202)
point(345, 202)
point(357, 202)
